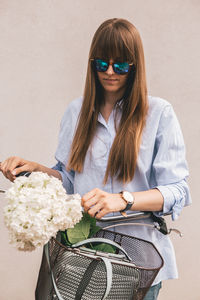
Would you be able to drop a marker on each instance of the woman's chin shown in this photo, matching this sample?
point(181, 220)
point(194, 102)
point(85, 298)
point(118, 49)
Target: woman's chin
point(112, 89)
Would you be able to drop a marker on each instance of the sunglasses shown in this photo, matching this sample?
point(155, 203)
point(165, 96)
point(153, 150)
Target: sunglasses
point(120, 68)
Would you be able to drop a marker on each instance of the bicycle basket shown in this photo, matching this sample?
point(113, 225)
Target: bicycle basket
point(82, 275)
point(143, 254)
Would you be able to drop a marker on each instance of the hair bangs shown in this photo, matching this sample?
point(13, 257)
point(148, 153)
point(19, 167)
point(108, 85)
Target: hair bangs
point(111, 45)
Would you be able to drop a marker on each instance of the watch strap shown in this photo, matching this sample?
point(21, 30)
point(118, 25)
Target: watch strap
point(129, 204)
point(128, 207)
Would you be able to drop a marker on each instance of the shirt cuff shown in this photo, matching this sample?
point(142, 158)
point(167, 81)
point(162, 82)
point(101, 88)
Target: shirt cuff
point(67, 177)
point(174, 201)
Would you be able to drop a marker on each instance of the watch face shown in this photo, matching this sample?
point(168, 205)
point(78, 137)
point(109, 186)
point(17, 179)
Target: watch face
point(128, 197)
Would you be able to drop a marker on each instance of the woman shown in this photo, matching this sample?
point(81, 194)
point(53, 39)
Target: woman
point(121, 149)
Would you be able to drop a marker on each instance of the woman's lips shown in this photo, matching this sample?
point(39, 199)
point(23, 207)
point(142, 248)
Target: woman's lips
point(110, 80)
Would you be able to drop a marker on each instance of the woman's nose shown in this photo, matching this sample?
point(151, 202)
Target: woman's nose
point(110, 71)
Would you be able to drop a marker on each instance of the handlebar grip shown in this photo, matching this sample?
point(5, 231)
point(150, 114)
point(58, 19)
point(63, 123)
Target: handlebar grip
point(24, 173)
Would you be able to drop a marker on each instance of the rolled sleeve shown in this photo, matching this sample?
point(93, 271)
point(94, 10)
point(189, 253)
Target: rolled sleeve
point(67, 177)
point(176, 196)
point(170, 166)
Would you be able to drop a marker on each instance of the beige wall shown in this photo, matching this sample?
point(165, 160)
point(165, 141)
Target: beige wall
point(43, 52)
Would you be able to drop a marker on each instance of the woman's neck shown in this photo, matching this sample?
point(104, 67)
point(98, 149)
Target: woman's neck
point(110, 100)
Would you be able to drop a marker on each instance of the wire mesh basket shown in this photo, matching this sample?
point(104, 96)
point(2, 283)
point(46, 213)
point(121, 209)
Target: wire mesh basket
point(143, 254)
point(81, 275)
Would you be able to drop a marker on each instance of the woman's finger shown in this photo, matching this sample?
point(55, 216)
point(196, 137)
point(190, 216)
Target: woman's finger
point(89, 203)
point(89, 195)
point(95, 209)
point(11, 163)
point(101, 213)
point(14, 165)
point(14, 162)
point(3, 165)
point(5, 172)
point(18, 170)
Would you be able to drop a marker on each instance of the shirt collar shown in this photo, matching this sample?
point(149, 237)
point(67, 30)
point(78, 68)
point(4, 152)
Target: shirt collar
point(119, 103)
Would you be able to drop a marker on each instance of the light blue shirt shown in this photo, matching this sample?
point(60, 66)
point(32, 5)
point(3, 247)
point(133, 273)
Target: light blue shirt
point(161, 164)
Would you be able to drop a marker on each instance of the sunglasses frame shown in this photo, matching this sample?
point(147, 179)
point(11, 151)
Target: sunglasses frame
point(112, 64)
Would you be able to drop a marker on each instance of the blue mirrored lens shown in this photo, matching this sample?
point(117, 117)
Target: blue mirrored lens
point(101, 65)
point(121, 68)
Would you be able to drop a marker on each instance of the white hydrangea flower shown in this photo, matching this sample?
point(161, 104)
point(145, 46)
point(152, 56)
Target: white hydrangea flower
point(38, 207)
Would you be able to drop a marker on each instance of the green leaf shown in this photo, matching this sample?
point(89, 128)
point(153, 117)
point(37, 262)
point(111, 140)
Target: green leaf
point(93, 227)
point(105, 248)
point(83, 230)
point(94, 230)
point(80, 231)
point(87, 218)
point(64, 239)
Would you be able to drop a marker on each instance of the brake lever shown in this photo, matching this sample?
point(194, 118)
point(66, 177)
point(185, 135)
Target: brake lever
point(162, 226)
point(176, 231)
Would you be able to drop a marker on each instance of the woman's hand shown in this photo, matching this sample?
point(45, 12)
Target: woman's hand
point(99, 203)
point(14, 165)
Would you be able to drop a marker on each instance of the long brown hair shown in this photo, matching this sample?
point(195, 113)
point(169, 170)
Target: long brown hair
point(113, 39)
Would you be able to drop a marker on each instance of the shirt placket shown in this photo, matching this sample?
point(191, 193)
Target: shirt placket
point(107, 135)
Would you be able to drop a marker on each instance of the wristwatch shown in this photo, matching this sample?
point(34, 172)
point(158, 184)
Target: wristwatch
point(129, 198)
